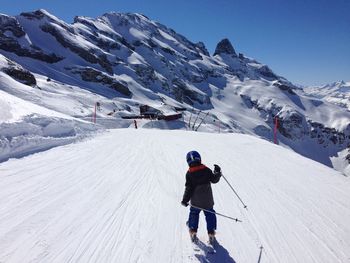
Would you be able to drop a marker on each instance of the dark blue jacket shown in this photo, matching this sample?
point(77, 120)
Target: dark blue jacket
point(198, 188)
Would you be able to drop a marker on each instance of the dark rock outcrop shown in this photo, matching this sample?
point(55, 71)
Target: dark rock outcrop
point(11, 24)
point(225, 47)
point(183, 94)
point(347, 157)
point(200, 46)
point(10, 44)
point(267, 72)
point(38, 15)
point(21, 75)
point(325, 134)
point(93, 75)
point(146, 73)
point(84, 21)
point(285, 87)
point(292, 125)
point(88, 55)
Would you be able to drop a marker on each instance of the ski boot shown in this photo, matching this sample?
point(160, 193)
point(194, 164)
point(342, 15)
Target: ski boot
point(212, 238)
point(193, 236)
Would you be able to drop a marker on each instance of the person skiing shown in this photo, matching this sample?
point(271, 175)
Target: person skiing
point(198, 191)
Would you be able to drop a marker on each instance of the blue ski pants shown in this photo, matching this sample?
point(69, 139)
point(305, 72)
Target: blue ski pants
point(209, 217)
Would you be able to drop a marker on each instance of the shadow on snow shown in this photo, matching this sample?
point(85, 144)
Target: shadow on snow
point(221, 255)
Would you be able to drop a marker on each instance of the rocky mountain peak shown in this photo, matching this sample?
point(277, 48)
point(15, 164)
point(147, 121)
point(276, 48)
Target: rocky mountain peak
point(8, 23)
point(38, 15)
point(201, 46)
point(225, 47)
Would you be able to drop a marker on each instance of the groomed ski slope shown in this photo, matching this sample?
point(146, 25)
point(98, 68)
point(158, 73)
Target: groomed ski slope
point(116, 198)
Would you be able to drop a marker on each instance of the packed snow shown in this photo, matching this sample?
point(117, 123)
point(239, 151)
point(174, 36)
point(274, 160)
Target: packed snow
point(116, 198)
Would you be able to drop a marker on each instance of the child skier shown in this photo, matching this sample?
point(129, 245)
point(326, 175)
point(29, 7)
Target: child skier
point(198, 191)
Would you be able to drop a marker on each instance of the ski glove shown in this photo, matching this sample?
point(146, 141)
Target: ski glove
point(184, 204)
point(217, 168)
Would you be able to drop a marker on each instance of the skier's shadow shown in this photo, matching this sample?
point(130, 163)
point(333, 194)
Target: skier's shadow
point(221, 255)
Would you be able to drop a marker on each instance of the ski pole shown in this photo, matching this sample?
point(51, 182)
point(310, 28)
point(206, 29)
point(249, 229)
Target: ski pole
point(245, 206)
point(206, 210)
point(261, 249)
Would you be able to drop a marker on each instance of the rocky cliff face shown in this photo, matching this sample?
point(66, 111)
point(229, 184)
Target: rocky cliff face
point(17, 72)
point(225, 47)
point(130, 58)
point(161, 58)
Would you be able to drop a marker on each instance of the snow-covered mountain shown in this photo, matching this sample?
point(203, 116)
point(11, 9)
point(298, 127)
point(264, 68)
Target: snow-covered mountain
point(337, 93)
point(123, 61)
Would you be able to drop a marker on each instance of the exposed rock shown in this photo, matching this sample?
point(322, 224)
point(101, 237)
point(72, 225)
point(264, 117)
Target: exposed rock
point(104, 44)
point(152, 44)
point(347, 157)
point(197, 78)
point(38, 14)
point(84, 21)
point(107, 45)
point(325, 134)
point(248, 101)
point(126, 43)
point(192, 55)
point(43, 14)
point(285, 87)
point(21, 75)
point(168, 50)
point(183, 94)
point(93, 75)
point(267, 72)
point(225, 47)
point(11, 45)
point(146, 73)
point(292, 125)
point(11, 24)
point(202, 48)
point(138, 43)
point(87, 55)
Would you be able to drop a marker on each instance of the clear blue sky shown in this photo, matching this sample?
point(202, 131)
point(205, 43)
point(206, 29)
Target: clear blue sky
point(306, 41)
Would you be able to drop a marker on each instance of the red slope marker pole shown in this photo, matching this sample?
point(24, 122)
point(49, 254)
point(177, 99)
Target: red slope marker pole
point(275, 130)
point(93, 115)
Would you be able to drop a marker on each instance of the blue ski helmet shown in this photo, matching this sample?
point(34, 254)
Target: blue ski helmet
point(193, 156)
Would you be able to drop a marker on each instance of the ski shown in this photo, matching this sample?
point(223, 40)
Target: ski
point(195, 242)
point(211, 245)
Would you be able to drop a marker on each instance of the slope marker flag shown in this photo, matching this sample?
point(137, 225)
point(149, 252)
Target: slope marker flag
point(275, 130)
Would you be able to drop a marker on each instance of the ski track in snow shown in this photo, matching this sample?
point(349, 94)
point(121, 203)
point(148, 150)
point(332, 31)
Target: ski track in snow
point(116, 198)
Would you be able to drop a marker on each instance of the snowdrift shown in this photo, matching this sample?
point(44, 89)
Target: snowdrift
point(27, 128)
